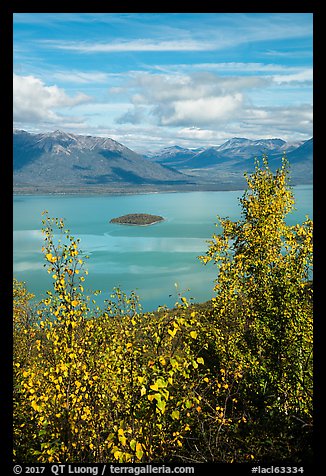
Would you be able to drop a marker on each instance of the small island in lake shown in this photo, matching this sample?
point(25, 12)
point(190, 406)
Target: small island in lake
point(141, 219)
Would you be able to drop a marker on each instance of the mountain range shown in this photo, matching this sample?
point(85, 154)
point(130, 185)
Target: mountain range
point(233, 151)
point(61, 161)
point(65, 162)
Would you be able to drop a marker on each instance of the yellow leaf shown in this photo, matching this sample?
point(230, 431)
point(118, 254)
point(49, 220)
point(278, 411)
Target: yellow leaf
point(142, 391)
point(36, 406)
point(162, 360)
point(139, 451)
point(116, 454)
point(193, 334)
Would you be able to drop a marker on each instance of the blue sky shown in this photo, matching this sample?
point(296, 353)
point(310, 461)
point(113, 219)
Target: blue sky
point(151, 80)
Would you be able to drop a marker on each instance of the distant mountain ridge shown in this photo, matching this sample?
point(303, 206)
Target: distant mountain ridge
point(234, 148)
point(73, 161)
point(235, 156)
point(61, 161)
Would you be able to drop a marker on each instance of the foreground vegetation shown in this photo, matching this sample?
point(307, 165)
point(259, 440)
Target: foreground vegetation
point(229, 381)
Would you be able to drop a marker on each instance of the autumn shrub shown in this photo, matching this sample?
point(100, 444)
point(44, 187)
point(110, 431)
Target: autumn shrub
point(262, 318)
point(226, 381)
point(111, 384)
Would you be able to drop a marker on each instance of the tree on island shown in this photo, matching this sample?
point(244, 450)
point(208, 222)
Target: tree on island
point(137, 219)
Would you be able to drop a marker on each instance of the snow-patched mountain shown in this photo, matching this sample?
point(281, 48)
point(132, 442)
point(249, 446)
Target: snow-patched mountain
point(174, 156)
point(68, 160)
point(244, 147)
point(235, 148)
point(237, 153)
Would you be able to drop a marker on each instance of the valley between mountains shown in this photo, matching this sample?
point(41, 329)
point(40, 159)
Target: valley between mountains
point(61, 162)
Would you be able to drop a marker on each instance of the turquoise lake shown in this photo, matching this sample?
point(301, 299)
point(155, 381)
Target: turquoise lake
point(150, 260)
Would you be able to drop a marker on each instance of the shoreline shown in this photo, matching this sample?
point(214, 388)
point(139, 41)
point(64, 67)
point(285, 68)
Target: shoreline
point(128, 190)
point(139, 224)
point(122, 194)
point(136, 191)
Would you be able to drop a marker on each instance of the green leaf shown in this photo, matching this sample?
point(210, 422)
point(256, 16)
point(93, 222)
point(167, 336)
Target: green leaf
point(175, 415)
point(161, 383)
point(161, 405)
point(133, 444)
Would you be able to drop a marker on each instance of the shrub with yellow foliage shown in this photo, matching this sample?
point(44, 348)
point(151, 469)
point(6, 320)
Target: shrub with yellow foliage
point(229, 382)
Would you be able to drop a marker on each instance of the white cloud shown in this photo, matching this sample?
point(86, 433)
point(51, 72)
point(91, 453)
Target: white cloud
point(217, 32)
point(132, 45)
point(81, 77)
point(227, 67)
point(286, 122)
point(191, 133)
point(202, 110)
point(205, 101)
point(300, 76)
point(35, 102)
point(187, 100)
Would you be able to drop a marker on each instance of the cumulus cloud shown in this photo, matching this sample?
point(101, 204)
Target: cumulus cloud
point(202, 104)
point(34, 102)
point(191, 133)
point(201, 110)
point(187, 100)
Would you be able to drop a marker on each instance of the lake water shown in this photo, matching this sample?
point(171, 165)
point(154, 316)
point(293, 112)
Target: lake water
point(148, 260)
